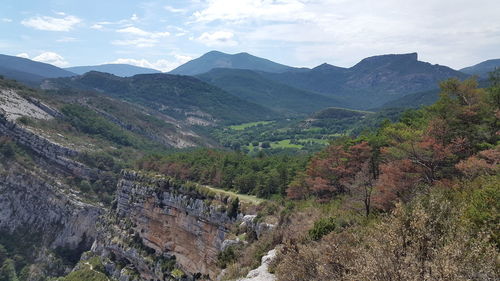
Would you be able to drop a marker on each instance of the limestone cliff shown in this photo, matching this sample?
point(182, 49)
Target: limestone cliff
point(157, 219)
point(46, 207)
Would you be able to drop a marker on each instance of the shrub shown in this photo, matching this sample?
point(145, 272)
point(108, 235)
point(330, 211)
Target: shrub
point(321, 228)
point(226, 257)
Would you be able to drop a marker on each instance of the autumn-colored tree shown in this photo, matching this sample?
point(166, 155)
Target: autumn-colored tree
point(333, 172)
point(396, 182)
point(485, 162)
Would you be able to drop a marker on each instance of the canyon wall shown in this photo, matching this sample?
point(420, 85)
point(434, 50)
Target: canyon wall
point(41, 205)
point(156, 217)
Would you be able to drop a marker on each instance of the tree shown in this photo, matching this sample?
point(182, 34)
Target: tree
point(363, 185)
point(8, 271)
point(298, 188)
point(333, 172)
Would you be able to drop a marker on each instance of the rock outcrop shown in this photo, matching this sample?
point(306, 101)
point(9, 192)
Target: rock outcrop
point(262, 273)
point(157, 218)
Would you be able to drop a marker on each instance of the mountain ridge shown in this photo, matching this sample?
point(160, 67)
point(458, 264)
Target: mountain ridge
point(371, 82)
point(118, 69)
point(483, 68)
point(29, 71)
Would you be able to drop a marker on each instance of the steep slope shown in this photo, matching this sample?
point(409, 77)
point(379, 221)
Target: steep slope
point(123, 70)
point(373, 81)
point(482, 69)
point(215, 59)
point(28, 71)
point(254, 87)
point(181, 97)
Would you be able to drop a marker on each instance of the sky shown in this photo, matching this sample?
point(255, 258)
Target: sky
point(302, 33)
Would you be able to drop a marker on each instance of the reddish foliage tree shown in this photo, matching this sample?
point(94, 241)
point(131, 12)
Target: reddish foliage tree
point(485, 162)
point(333, 172)
point(397, 181)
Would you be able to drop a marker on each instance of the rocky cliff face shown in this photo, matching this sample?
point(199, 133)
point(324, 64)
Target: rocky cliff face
point(45, 207)
point(164, 219)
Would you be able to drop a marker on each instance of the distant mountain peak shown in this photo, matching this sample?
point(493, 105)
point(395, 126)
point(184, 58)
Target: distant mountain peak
point(214, 52)
point(325, 67)
point(216, 59)
point(388, 58)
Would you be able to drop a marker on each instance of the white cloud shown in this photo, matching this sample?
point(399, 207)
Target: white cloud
point(139, 42)
point(161, 65)
point(139, 38)
point(23, 55)
point(134, 17)
point(66, 23)
point(51, 58)
point(132, 30)
point(243, 10)
point(96, 26)
point(174, 10)
point(218, 39)
point(6, 20)
point(67, 39)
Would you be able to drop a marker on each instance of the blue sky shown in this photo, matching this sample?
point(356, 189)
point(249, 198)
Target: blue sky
point(165, 34)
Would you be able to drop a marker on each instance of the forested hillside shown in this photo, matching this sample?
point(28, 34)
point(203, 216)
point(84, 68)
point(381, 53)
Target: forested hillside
point(181, 97)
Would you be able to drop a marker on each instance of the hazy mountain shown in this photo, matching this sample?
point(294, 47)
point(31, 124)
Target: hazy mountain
point(123, 70)
point(28, 71)
point(215, 59)
point(373, 81)
point(482, 69)
point(182, 97)
point(254, 87)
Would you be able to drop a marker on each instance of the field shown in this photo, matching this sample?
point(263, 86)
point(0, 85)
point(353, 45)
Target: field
point(244, 126)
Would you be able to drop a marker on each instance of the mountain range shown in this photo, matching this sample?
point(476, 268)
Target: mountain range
point(376, 82)
point(371, 82)
point(123, 70)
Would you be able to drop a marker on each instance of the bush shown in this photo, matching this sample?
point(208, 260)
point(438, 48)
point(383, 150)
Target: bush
point(321, 228)
point(226, 257)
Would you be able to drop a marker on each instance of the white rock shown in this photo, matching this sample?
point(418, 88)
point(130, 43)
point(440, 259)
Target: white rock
point(261, 273)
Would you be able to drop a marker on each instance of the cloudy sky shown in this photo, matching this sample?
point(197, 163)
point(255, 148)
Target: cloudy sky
point(165, 34)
